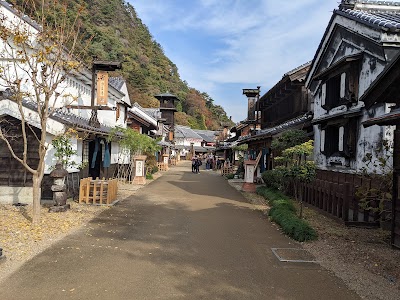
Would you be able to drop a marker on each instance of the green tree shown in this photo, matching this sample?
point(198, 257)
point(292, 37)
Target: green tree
point(296, 169)
point(289, 139)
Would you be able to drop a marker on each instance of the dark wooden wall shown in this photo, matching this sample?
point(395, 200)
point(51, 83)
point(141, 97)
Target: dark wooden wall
point(285, 109)
point(12, 173)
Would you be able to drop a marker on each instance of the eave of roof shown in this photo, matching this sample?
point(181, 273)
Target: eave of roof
point(269, 132)
point(392, 118)
point(338, 64)
point(381, 89)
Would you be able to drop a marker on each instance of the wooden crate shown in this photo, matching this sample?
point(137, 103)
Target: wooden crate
point(226, 170)
point(96, 191)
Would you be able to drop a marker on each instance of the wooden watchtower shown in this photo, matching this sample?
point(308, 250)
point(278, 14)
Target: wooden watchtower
point(168, 109)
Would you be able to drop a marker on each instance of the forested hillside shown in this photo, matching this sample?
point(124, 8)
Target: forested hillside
point(117, 33)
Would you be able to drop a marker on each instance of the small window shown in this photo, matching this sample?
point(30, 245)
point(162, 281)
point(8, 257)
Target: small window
point(322, 141)
point(338, 90)
point(85, 154)
point(339, 139)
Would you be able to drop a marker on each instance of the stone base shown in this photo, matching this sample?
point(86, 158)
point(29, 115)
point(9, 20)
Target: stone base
point(139, 180)
point(249, 187)
point(59, 208)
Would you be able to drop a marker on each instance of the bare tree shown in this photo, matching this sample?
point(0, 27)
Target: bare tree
point(35, 59)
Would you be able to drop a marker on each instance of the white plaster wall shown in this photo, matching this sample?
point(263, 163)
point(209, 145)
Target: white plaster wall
point(50, 159)
point(119, 155)
point(368, 74)
point(187, 142)
point(10, 195)
point(351, 25)
point(369, 140)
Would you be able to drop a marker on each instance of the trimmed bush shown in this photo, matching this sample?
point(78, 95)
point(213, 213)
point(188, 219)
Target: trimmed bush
point(271, 194)
point(283, 212)
point(273, 178)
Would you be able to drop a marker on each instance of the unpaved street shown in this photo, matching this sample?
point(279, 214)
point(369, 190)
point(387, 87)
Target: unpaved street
point(184, 236)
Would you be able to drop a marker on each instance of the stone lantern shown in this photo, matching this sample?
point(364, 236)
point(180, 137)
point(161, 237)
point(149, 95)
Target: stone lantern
point(59, 189)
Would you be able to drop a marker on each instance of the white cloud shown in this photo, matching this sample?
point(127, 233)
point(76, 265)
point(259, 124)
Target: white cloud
point(254, 41)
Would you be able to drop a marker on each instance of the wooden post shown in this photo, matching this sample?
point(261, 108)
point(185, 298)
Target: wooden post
point(346, 202)
point(395, 236)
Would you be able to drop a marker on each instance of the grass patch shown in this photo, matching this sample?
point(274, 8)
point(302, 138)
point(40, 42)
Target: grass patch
point(283, 212)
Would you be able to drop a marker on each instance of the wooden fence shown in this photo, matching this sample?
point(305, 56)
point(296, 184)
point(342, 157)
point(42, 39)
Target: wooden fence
point(334, 194)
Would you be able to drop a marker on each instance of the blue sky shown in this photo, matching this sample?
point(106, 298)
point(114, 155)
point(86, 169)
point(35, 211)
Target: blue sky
point(223, 46)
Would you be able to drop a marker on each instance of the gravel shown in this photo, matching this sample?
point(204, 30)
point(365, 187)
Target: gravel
point(362, 257)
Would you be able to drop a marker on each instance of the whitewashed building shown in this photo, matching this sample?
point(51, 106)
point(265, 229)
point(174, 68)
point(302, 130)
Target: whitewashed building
point(362, 38)
point(95, 156)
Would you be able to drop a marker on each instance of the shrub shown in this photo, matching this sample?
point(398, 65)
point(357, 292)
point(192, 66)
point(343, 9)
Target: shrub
point(273, 178)
point(283, 213)
point(229, 176)
point(154, 170)
point(149, 176)
point(271, 194)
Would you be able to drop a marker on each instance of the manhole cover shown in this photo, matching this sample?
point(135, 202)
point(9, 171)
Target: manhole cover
point(293, 255)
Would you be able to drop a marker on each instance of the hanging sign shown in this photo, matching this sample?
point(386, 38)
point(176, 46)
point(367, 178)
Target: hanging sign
point(117, 114)
point(251, 108)
point(102, 88)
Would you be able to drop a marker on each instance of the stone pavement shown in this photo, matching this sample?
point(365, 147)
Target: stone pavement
point(184, 236)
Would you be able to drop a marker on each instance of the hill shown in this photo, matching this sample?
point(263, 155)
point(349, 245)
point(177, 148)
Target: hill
point(118, 33)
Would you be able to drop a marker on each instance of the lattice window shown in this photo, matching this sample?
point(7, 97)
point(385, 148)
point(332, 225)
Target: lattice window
point(85, 152)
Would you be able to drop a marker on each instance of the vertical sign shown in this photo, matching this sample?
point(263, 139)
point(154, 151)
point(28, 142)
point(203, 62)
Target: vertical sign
point(117, 114)
point(102, 88)
point(252, 108)
point(139, 168)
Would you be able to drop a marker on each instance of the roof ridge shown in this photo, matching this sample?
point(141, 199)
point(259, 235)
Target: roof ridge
point(298, 68)
point(366, 5)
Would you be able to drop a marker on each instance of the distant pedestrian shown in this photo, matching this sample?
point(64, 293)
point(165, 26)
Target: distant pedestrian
point(193, 164)
point(198, 164)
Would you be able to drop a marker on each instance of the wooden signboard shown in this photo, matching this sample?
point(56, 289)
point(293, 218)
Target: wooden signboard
point(102, 88)
point(117, 114)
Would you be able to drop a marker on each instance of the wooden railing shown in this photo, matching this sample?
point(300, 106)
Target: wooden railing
point(334, 194)
point(96, 191)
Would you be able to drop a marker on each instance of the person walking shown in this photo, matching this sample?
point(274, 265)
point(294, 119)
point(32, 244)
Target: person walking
point(198, 164)
point(194, 164)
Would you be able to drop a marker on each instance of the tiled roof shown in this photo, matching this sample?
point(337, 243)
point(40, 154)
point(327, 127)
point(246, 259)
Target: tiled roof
point(70, 119)
point(207, 135)
point(383, 15)
point(27, 19)
point(186, 132)
point(152, 112)
point(116, 82)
